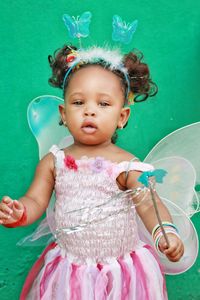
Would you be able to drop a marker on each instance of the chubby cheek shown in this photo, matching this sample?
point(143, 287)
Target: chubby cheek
point(115, 120)
point(73, 124)
point(73, 117)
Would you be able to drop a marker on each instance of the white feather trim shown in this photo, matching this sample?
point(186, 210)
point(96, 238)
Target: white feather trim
point(112, 58)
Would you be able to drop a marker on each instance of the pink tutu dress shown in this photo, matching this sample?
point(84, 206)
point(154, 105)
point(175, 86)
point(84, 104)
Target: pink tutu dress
point(105, 261)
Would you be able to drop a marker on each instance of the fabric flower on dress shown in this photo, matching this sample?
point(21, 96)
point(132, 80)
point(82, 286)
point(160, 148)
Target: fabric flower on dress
point(70, 163)
point(98, 165)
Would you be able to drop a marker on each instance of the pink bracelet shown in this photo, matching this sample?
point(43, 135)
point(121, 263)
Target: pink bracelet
point(21, 221)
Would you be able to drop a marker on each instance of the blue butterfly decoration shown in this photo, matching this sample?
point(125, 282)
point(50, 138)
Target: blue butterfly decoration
point(78, 27)
point(158, 174)
point(122, 31)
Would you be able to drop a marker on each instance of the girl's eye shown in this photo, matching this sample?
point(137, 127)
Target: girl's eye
point(78, 102)
point(103, 103)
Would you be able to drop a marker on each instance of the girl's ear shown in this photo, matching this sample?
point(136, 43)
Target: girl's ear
point(124, 116)
point(62, 113)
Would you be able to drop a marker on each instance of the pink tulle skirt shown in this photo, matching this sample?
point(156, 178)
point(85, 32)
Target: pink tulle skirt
point(135, 276)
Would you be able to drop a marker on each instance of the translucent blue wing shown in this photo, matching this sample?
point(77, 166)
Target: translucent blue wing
point(83, 24)
point(78, 27)
point(123, 32)
point(43, 119)
point(71, 25)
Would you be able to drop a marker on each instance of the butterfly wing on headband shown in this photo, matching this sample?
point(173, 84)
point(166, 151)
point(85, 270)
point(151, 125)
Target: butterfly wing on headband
point(70, 23)
point(123, 32)
point(83, 24)
point(78, 27)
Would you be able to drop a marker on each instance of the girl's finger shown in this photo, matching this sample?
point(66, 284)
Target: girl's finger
point(7, 199)
point(171, 253)
point(18, 205)
point(177, 257)
point(179, 249)
point(171, 250)
point(4, 215)
point(5, 208)
point(163, 245)
point(174, 254)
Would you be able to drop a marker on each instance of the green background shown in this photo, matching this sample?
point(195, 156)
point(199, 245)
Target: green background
point(169, 36)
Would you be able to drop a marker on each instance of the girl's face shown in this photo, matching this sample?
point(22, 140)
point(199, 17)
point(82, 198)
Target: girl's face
point(94, 105)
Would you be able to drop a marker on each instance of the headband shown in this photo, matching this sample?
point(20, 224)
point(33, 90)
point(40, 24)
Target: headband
point(112, 59)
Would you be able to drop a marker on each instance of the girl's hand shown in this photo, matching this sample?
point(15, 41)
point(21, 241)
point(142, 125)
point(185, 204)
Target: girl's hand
point(10, 210)
point(176, 248)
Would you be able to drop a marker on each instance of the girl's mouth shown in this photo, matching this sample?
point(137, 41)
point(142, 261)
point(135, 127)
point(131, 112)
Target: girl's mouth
point(89, 127)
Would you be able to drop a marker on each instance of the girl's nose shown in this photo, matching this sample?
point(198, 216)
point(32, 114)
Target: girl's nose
point(89, 112)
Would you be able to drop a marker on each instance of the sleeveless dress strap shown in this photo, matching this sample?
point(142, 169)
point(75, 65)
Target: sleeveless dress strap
point(148, 166)
point(58, 154)
point(54, 150)
point(126, 166)
point(132, 160)
point(133, 165)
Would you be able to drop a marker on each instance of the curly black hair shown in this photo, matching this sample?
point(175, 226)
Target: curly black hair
point(139, 76)
point(141, 84)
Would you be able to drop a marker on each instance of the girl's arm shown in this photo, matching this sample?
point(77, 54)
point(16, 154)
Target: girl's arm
point(146, 211)
point(145, 208)
point(36, 199)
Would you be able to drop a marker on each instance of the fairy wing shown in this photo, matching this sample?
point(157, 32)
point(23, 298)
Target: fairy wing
point(123, 32)
point(178, 153)
point(179, 183)
point(188, 236)
point(43, 119)
point(183, 142)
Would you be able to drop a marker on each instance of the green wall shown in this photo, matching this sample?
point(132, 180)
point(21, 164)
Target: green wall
point(169, 36)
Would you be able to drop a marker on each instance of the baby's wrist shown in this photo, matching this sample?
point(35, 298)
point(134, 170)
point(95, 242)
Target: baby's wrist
point(157, 232)
point(20, 222)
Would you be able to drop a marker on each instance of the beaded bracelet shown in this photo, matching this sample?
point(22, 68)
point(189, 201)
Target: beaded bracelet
point(21, 221)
